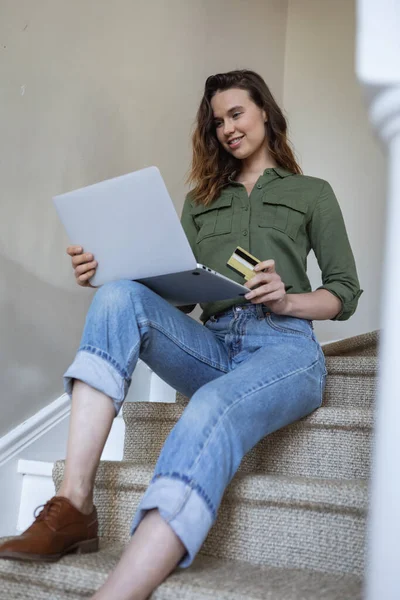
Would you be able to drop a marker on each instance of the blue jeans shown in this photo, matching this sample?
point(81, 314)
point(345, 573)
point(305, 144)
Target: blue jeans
point(248, 373)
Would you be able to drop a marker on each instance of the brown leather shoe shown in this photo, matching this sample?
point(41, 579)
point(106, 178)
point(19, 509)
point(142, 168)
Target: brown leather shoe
point(59, 528)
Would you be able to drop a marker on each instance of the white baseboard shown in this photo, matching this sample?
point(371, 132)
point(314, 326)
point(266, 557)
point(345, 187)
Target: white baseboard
point(25, 434)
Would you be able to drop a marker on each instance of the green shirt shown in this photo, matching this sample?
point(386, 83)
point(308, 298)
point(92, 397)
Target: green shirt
point(284, 217)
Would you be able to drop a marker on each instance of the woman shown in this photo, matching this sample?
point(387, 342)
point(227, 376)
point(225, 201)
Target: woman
point(253, 368)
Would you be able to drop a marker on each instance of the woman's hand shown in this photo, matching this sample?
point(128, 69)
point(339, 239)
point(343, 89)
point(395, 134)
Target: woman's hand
point(84, 265)
point(270, 290)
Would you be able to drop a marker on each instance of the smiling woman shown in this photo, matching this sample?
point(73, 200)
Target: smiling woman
point(242, 126)
point(253, 367)
point(241, 157)
point(238, 118)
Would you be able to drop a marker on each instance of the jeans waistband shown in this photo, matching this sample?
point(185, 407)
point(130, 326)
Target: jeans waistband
point(259, 309)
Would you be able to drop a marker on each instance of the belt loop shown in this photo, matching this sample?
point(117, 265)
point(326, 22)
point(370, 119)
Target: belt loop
point(260, 311)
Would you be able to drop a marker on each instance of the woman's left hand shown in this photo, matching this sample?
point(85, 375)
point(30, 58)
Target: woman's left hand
point(270, 289)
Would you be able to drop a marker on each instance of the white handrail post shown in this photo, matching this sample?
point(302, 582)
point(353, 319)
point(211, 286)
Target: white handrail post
point(378, 70)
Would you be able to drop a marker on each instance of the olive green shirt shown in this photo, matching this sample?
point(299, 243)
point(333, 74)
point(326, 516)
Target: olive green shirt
point(284, 217)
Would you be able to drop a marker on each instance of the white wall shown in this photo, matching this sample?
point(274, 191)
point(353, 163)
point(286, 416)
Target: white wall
point(95, 89)
point(334, 141)
point(91, 90)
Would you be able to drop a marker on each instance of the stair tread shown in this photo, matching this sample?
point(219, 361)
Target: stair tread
point(334, 494)
point(340, 416)
point(352, 365)
point(208, 578)
point(365, 344)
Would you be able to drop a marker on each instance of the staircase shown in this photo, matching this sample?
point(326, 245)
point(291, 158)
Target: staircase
point(292, 522)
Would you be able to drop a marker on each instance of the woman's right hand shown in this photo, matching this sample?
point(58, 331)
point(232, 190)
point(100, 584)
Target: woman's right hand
point(83, 264)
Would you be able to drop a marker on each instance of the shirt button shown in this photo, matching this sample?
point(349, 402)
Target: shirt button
point(244, 232)
point(246, 208)
point(259, 186)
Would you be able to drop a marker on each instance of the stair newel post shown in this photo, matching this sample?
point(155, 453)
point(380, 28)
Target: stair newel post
point(378, 70)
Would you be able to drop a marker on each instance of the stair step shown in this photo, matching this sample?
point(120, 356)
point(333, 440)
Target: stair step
point(332, 442)
point(289, 522)
point(366, 344)
point(207, 579)
point(351, 381)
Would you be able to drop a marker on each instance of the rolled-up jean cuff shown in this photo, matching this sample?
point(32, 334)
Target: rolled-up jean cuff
point(99, 374)
point(182, 508)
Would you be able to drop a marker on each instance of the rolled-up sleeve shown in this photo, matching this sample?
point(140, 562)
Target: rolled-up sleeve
point(330, 242)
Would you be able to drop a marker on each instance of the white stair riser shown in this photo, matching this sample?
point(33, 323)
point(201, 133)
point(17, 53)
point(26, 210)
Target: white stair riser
point(36, 490)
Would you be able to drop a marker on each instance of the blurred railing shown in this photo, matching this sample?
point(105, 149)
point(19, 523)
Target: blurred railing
point(378, 71)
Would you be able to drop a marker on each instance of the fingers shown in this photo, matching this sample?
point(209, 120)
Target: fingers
point(82, 259)
point(72, 250)
point(268, 298)
point(263, 290)
point(84, 278)
point(84, 268)
point(264, 273)
point(78, 257)
point(267, 283)
point(83, 264)
point(265, 265)
point(262, 278)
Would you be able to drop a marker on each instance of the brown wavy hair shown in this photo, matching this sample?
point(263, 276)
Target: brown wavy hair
point(212, 164)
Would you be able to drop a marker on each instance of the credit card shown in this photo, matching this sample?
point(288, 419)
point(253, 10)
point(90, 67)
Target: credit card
point(243, 262)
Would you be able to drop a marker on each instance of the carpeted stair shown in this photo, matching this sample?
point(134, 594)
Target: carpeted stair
point(292, 522)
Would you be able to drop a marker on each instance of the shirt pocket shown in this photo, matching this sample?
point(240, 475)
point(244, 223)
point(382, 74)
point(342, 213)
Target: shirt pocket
point(215, 219)
point(284, 213)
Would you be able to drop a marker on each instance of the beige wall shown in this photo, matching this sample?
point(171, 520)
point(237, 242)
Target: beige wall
point(91, 90)
point(334, 141)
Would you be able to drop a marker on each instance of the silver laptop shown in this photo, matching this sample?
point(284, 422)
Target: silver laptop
point(130, 225)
